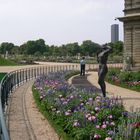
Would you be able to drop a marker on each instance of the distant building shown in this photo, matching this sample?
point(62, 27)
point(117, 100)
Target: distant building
point(114, 33)
point(131, 22)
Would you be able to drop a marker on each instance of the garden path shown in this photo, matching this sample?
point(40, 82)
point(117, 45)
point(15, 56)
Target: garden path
point(25, 122)
point(131, 99)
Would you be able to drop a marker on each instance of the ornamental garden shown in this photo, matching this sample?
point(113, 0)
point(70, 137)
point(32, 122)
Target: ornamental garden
point(83, 114)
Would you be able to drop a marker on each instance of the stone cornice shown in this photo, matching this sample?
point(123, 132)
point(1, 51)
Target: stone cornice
point(130, 17)
point(131, 9)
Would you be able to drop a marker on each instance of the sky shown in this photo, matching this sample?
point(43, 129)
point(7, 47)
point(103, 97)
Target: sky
point(59, 21)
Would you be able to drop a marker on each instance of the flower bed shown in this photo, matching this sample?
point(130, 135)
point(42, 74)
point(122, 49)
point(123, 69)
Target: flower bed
point(81, 114)
point(130, 80)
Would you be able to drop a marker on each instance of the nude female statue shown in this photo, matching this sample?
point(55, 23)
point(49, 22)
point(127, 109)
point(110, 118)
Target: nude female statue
point(102, 57)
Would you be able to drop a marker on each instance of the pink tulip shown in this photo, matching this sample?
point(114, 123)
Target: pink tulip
point(104, 126)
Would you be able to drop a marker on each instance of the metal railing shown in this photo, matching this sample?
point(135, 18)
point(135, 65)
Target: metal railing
point(14, 79)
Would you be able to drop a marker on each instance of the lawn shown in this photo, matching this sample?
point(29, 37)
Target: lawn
point(6, 62)
point(2, 75)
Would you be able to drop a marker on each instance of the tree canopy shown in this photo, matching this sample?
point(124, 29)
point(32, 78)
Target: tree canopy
point(38, 47)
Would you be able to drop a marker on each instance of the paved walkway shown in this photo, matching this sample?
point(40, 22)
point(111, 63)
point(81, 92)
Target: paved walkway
point(131, 99)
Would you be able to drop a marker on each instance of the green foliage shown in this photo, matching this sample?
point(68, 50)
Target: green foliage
point(38, 49)
point(6, 62)
point(71, 74)
point(125, 79)
point(114, 72)
point(127, 128)
point(5, 46)
point(2, 75)
point(126, 76)
point(117, 47)
point(31, 47)
point(89, 48)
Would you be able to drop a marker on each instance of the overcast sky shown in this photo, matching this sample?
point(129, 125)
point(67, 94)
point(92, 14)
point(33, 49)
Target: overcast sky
point(59, 21)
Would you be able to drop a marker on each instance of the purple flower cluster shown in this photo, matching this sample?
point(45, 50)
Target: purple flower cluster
point(79, 109)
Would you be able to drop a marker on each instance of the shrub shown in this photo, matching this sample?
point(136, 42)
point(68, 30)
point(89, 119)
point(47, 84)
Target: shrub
point(129, 80)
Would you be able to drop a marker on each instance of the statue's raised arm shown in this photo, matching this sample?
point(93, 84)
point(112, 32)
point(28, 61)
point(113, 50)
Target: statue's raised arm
point(107, 49)
point(102, 57)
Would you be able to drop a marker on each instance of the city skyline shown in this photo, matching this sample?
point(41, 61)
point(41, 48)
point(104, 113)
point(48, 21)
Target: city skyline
point(58, 23)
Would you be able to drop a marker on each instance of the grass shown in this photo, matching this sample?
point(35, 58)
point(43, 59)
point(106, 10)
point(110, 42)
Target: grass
point(2, 75)
point(6, 62)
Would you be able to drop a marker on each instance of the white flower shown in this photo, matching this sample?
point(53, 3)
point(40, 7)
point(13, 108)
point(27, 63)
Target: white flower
point(97, 136)
point(58, 111)
point(97, 108)
point(112, 123)
point(60, 96)
point(108, 138)
point(76, 123)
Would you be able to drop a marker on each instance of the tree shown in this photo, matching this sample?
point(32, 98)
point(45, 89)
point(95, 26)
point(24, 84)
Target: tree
point(63, 50)
point(88, 47)
point(40, 45)
point(37, 54)
point(31, 47)
point(75, 48)
point(15, 50)
point(5, 46)
point(117, 47)
point(22, 49)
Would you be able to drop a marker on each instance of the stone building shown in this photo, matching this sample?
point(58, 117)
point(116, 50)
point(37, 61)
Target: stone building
point(131, 22)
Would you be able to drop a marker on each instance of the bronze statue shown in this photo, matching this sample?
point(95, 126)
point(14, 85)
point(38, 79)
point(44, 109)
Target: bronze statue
point(102, 57)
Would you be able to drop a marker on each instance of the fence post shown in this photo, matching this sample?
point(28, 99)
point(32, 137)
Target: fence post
point(35, 72)
point(26, 74)
point(17, 78)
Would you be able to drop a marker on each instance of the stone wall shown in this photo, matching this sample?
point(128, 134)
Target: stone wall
point(131, 22)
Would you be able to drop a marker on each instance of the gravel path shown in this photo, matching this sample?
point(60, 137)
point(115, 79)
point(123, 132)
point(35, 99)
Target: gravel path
point(25, 122)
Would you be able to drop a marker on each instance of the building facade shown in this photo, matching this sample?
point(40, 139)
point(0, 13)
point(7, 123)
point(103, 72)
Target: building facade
point(114, 33)
point(131, 24)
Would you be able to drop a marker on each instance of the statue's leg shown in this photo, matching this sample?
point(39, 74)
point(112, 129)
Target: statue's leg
point(103, 87)
point(101, 82)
